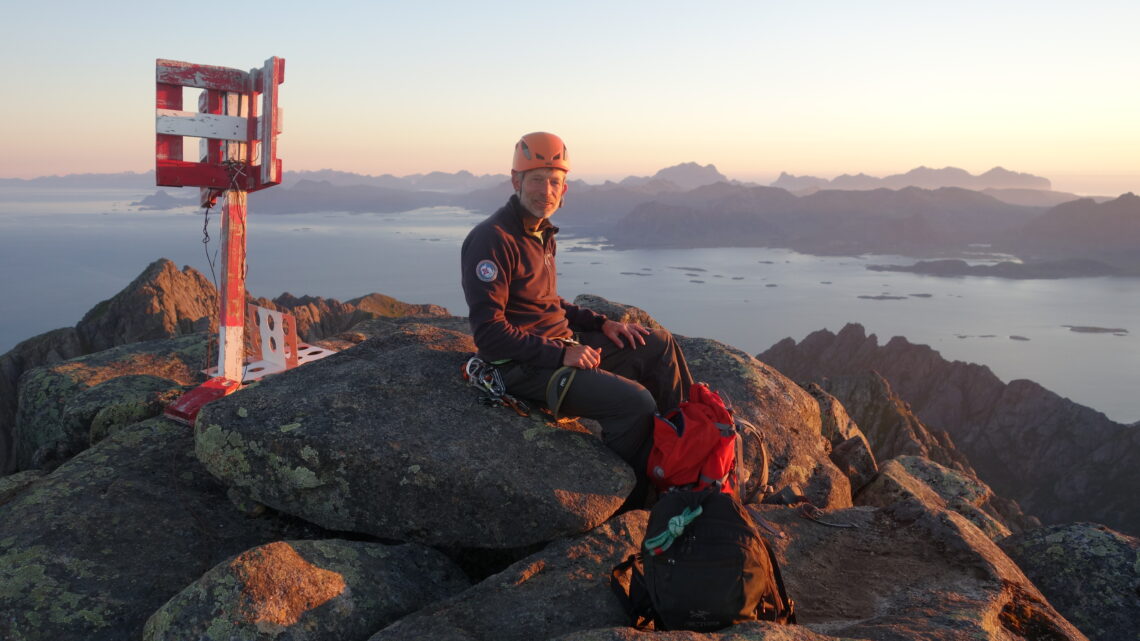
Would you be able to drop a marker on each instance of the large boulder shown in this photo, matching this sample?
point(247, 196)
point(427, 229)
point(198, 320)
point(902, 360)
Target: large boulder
point(907, 571)
point(302, 590)
point(836, 422)
point(918, 478)
point(561, 590)
point(49, 347)
point(386, 439)
point(615, 311)
point(66, 406)
point(850, 450)
point(90, 550)
point(1090, 573)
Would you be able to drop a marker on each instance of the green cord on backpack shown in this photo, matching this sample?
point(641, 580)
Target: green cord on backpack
point(662, 541)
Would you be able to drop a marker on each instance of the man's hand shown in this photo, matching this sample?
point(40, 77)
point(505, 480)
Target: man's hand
point(617, 332)
point(582, 357)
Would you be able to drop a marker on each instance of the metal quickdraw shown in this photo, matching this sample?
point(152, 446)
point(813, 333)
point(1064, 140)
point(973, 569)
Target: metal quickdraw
point(486, 378)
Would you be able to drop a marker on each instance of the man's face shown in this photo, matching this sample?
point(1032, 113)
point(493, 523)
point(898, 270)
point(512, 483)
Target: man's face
point(540, 190)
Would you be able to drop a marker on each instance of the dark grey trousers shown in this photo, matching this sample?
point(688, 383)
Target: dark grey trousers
point(622, 394)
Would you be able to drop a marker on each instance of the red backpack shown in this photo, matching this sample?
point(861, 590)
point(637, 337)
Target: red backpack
point(696, 445)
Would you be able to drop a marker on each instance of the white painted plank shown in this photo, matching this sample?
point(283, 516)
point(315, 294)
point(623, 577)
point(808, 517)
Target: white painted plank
point(237, 105)
point(270, 125)
point(231, 352)
point(200, 125)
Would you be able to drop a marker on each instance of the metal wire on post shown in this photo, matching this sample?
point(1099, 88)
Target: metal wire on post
point(237, 172)
point(212, 341)
point(210, 260)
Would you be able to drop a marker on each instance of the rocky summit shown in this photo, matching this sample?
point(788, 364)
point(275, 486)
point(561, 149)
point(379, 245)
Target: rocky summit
point(372, 496)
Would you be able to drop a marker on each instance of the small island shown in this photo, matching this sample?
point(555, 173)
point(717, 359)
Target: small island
point(1070, 268)
point(1086, 329)
point(162, 201)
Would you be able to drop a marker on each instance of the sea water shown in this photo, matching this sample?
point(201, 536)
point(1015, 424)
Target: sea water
point(62, 252)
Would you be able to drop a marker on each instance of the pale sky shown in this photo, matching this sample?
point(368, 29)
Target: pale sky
point(756, 88)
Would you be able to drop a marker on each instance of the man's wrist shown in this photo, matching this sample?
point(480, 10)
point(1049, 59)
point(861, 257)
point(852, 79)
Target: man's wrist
point(602, 320)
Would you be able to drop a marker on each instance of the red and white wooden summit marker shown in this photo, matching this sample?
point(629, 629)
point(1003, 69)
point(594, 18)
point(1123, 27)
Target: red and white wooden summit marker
point(237, 123)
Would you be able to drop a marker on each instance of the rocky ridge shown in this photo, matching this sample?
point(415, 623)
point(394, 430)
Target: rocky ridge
point(1059, 460)
point(156, 531)
point(165, 302)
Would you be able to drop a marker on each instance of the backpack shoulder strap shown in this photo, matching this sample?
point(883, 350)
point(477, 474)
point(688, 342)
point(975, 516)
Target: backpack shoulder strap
point(635, 602)
point(788, 614)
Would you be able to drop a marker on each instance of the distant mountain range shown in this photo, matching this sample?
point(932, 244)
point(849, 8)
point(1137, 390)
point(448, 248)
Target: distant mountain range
point(924, 213)
point(1082, 226)
point(438, 181)
point(682, 177)
point(910, 221)
point(685, 176)
point(121, 180)
point(924, 177)
point(1077, 238)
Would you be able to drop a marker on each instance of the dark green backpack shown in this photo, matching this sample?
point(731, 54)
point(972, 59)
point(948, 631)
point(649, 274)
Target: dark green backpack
point(703, 566)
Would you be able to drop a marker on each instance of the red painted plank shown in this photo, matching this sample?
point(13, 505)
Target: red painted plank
point(213, 102)
point(175, 72)
point(177, 173)
point(168, 97)
point(186, 408)
point(233, 261)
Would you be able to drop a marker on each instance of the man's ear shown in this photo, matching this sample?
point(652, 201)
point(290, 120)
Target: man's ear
point(516, 180)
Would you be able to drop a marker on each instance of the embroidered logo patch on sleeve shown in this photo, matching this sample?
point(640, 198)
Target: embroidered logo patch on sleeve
point(486, 271)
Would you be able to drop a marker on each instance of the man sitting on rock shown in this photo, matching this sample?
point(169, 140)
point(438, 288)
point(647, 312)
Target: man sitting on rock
point(622, 372)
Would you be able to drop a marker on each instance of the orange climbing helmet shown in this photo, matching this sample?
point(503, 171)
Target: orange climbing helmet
point(540, 149)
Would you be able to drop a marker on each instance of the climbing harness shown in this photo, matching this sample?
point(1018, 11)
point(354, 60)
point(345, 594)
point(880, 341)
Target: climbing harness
point(486, 378)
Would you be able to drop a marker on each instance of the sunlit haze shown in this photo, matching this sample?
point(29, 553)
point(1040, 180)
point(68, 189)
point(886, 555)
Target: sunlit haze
point(755, 88)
